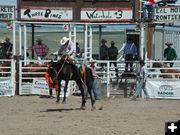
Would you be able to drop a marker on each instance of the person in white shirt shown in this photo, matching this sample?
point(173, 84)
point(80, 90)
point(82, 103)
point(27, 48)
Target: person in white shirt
point(67, 48)
point(142, 83)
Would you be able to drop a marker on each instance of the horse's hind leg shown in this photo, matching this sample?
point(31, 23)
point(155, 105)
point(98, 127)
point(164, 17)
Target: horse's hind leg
point(58, 92)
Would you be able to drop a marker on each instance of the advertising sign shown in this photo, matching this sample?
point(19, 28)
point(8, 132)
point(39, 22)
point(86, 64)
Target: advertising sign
point(106, 14)
point(167, 14)
point(7, 12)
point(46, 13)
point(163, 89)
point(5, 88)
point(40, 87)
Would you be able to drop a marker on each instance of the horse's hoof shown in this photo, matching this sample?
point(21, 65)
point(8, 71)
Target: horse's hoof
point(57, 101)
point(93, 108)
point(83, 108)
point(63, 102)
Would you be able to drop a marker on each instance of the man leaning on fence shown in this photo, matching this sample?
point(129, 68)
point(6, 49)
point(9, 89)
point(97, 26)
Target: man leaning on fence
point(129, 53)
point(170, 53)
point(113, 53)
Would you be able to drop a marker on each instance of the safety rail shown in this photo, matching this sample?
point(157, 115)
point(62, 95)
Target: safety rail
point(7, 77)
point(28, 72)
point(163, 71)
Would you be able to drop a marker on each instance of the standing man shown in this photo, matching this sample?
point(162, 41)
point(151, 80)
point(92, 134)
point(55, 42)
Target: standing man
point(142, 83)
point(113, 53)
point(78, 50)
point(40, 49)
point(103, 51)
point(129, 52)
point(170, 53)
point(8, 48)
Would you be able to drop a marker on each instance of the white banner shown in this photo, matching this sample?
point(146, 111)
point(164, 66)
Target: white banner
point(7, 12)
point(169, 89)
point(167, 14)
point(46, 13)
point(6, 88)
point(106, 14)
point(40, 87)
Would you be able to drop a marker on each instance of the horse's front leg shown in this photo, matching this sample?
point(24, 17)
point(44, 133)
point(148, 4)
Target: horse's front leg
point(58, 91)
point(65, 91)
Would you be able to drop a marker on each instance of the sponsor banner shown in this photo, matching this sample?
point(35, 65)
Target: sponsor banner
point(167, 14)
point(40, 87)
point(7, 12)
point(6, 88)
point(46, 14)
point(106, 14)
point(169, 89)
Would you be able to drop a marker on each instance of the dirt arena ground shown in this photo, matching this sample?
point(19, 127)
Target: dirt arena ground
point(31, 115)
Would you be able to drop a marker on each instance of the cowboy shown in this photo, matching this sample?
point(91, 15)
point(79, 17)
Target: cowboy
point(94, 83)
point(170, 53)
point(67, 48)
point(113, 53)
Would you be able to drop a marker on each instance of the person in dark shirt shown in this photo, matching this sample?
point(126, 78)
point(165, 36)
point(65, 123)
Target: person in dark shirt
point(103, 51)
point(8, 46)
point(78, 50)
point(170, 53)
point(2, 51)
point(113, 53)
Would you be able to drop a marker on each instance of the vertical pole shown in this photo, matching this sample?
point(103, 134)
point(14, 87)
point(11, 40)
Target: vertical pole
point(14, 38)
point(150, 39)
point(85, 40)
point(20, 39)
point(25, 41)
point(32, 39)
point(108, 78)
point(142, 36)
point(100, 36)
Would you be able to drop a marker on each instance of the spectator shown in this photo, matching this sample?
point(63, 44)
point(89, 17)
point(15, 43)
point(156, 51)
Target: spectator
point(40, 49)
point(113, 53)
point(67, 48)
point(103, 51)
point(142, 83)
point(2, 50)
point(8, 48)
point(149, 5)
point(78, 51)
point(129, 52)
point(170, 53)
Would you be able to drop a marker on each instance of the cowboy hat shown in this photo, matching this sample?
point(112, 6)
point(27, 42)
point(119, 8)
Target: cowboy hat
point(38, 40)
point(168, 43)
point(64, 40)
point(92, 61)
point(103, 40)
point(112, 42)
